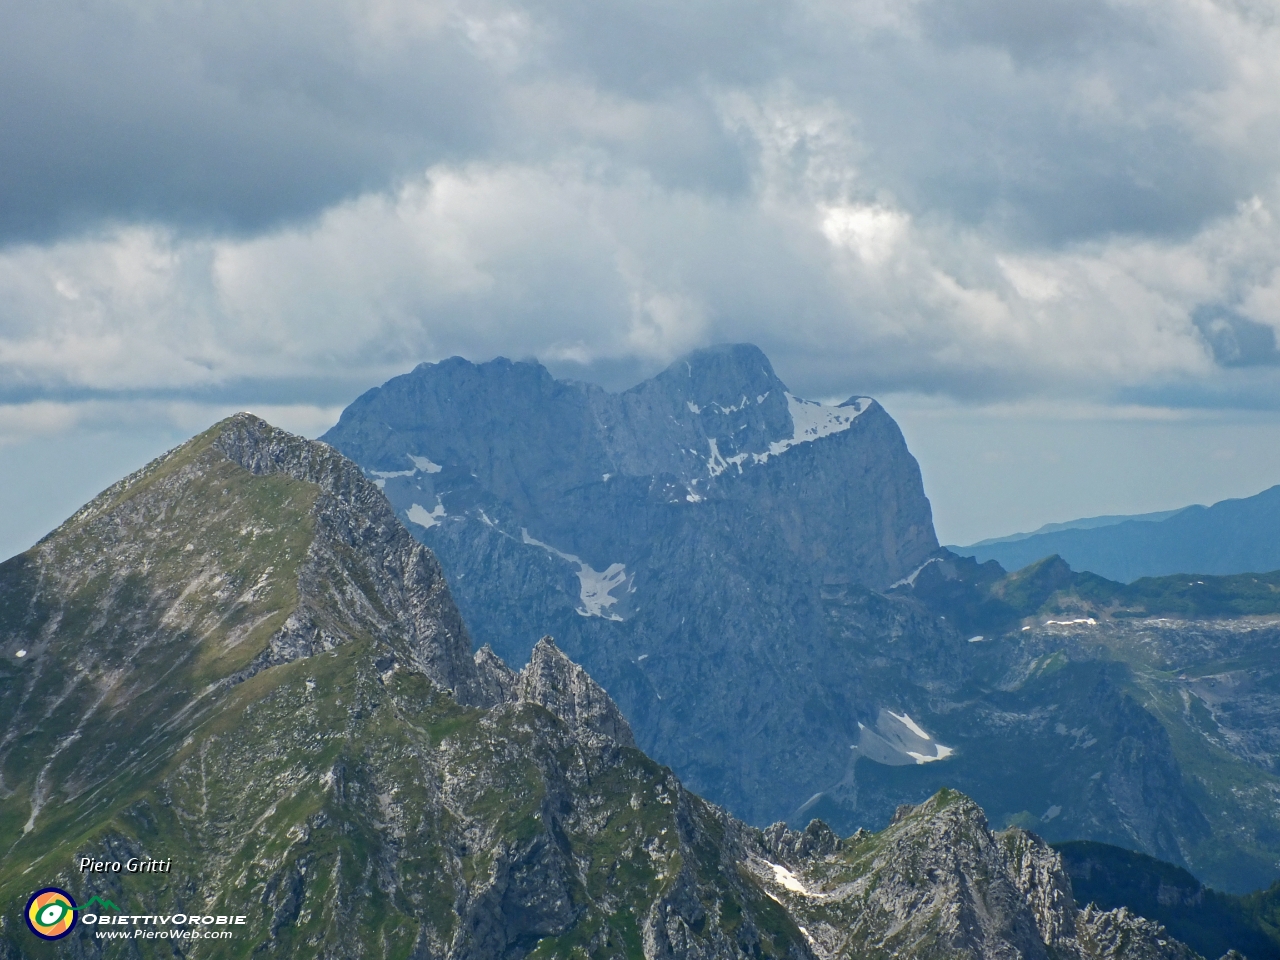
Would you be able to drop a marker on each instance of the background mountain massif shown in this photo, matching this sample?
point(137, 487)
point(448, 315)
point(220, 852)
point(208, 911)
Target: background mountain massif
point(755, 580)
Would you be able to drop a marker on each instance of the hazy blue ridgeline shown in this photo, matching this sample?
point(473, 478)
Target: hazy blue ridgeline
point(1232, 536)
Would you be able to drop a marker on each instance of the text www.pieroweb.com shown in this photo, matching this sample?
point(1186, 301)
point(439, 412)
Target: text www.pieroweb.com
point(140, 934)
point(171, 927)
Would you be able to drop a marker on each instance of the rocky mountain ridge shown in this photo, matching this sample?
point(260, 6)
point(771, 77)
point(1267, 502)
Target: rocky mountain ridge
point(238, 661)
point(670, 537)
point(729, 562)
point(938, 882)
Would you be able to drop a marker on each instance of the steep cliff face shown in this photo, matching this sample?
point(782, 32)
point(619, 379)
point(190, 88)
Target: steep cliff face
point(680, 539)
point(754, 580)
point(238, 663)
point(838, 482)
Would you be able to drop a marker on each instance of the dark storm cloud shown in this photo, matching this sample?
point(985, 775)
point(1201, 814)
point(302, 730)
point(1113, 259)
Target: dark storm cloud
point(1052, 121)
point(238, 116)
point(229, 116)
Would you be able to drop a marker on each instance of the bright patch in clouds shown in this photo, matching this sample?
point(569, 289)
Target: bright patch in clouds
point(870, 232)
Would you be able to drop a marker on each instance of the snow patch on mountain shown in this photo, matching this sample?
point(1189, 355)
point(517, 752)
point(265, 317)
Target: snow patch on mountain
point(419, 515)
point(734, 408)
point(905, 719)
point(940, 753)
point(812, 421)
point(419, 464)
point(718, 463)
point(425, 465)
point(595, 587)
point(910, 579)
point(785, 878)
point(533, 542)
point(897, 741)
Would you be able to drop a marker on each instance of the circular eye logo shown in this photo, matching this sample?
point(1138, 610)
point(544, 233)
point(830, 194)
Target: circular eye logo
point(51, 913)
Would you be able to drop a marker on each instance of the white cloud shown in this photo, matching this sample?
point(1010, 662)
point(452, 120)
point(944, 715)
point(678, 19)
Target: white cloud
point(871, 232)
point(19, 421)
point(575, 263)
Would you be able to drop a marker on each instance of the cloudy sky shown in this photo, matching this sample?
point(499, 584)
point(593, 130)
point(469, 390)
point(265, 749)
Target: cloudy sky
point(1046, 235)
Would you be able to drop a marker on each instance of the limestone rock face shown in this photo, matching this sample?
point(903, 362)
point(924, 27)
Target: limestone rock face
point(837, 482)
point(699, 543)
point(552, 680)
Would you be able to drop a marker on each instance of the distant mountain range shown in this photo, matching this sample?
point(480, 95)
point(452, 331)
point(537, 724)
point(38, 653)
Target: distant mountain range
point(1083, 523)
point(1232, 536)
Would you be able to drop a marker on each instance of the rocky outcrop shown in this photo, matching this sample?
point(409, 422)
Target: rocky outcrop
point(938, 882)
point(1118, 933)
point(552, 680)
point(362, 567)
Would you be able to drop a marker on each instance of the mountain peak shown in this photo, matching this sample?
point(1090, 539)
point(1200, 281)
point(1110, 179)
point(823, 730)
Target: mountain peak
point(674, 538)
point(554, 681)
point(712, 374)
point(246, 514)
point(239, 665)
point(938, 882)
